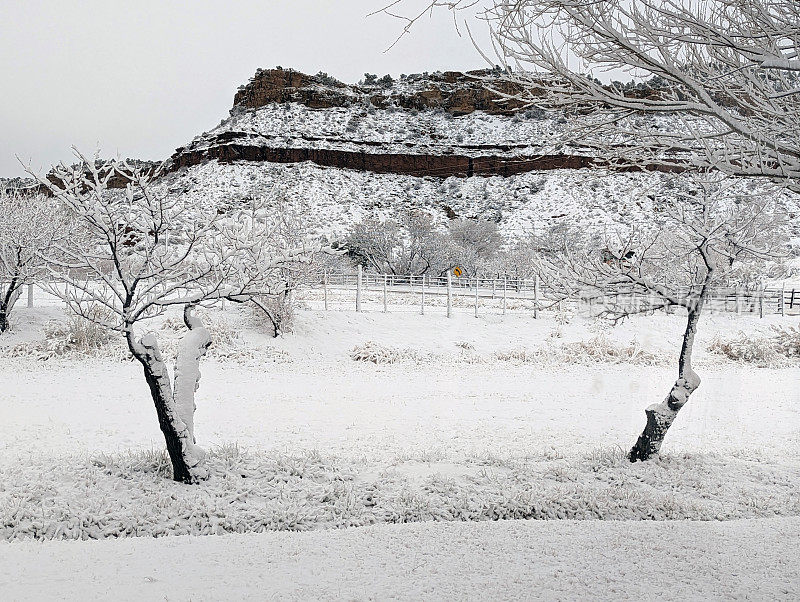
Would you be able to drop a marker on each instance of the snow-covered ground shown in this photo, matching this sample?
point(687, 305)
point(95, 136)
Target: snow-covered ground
point(302, 391)
point(462, 428)
point(505, 560)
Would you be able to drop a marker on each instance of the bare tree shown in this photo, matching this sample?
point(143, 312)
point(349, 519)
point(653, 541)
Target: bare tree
point(715, 86)
point(135, 253)
point(410, 244)
point(287, 230)
point(29, 226)
point(704, 232)
point(521, 260)
point(726, 71)
point(476, 243)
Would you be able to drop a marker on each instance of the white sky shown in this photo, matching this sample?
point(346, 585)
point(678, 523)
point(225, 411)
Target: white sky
point(142, 77)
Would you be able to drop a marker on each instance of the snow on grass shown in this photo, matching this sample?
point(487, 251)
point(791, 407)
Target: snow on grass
point(74, 337)
point(597, 350)
point(131, 494)
point(779, 349)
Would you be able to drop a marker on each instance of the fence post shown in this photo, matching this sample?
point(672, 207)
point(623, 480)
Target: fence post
point(449, 295)
point(476, 295)
point(505, 292)
point(494, 287)
point(738, 301)
point(761, 302)
point(536, 297)
point(783, 299)
point(358, 288)
point(385, 308)
point(325, 288)
point(30, 295)
point(422, 307)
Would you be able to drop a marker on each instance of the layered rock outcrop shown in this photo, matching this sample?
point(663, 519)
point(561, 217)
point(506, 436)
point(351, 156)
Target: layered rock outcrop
point(455, 92)
point(255, 131)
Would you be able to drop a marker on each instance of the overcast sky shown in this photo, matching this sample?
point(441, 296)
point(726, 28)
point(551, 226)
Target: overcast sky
point(140, 78)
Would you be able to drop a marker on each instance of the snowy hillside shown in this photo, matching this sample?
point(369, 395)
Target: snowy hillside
point(440, 143)
point(332, 199)
point(391, 130)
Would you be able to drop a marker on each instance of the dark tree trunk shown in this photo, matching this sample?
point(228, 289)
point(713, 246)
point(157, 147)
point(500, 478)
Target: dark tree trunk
point(660, 416)
point(7, 302)
point(273, 318)
point(149, 356)
point(174, 418)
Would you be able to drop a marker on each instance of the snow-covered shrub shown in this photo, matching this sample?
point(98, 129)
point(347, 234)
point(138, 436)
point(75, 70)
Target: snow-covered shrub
point(222, 333)
point(276, 313)
point(598, 349)
point(326, 80)
point(466, 354)
point(380, 354)
point(787, 339)
point(776, 351)
point(563, 315)
point(601, 349)
point(77, 335)
point(759, 351)
point(518, 356)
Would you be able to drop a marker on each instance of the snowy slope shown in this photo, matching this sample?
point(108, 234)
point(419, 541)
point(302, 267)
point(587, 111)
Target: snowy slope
point(367, 129)
point(332, 199)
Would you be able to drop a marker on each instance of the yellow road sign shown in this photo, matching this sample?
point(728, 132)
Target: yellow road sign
point(457, 272)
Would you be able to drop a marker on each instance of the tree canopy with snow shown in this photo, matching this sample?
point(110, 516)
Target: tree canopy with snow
point(30, 226)
point(725, 70)
point(135, 252)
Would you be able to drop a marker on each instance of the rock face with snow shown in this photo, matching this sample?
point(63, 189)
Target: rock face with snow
point(444, 143)
point(455, 92)
point(439, 125)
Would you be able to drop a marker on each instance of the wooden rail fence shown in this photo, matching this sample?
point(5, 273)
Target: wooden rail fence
point(493, 294)
point(772, 300)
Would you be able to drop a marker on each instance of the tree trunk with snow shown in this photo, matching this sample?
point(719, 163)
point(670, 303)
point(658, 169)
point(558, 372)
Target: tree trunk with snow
point(175, 406)
point(7, 301)
point(660, 416)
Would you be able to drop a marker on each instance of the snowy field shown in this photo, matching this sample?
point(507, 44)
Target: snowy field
point(466, 422)
point(505, 560)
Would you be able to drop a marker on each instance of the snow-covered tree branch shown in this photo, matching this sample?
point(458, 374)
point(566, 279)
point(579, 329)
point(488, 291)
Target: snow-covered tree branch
point(719, 77)
point(136, 252)
point(30, 226)
point(706, 230)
